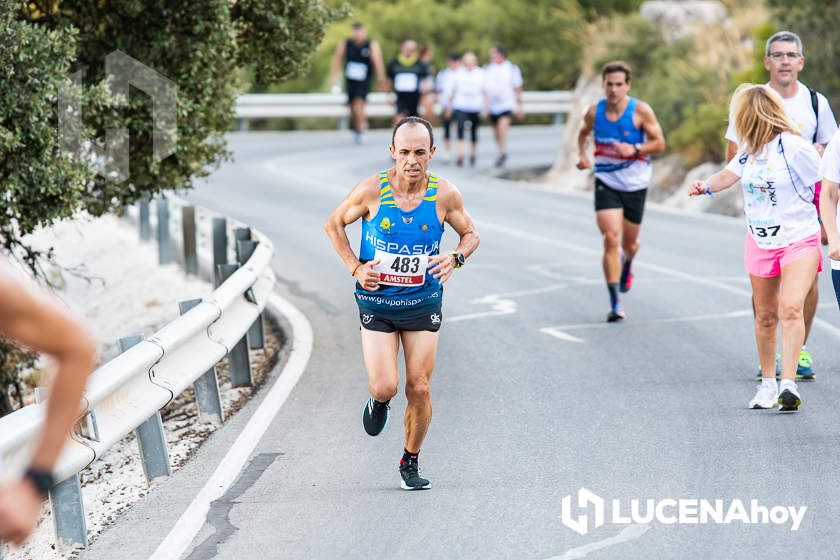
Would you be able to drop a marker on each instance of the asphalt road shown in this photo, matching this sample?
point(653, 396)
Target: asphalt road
point(535, 396)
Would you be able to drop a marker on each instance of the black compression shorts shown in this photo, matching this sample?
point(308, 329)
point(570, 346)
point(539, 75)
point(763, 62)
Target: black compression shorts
point(633, 203)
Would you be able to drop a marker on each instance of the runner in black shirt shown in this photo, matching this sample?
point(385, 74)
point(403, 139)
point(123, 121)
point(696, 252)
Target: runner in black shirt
point(406, 73)
point(360, 56)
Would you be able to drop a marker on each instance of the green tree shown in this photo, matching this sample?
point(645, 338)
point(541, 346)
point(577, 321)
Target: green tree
point(198, 47)
point(542, 36)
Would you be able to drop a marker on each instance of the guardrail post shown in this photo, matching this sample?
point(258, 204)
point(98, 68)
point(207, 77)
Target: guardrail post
point(207, 386)
point(256, 332)
point(150, 436)
point(240, 234)
point(163, 237)
point(238, 359)
point(220, 247)
point(190, 245)
point(145, 224)
point(68, 508)
point(343, 123)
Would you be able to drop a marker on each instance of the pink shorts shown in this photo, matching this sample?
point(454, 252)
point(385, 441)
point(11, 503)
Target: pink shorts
point(767, 263)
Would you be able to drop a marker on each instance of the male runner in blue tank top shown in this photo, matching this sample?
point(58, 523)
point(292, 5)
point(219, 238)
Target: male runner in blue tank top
point(626, 133)
point(400, 272)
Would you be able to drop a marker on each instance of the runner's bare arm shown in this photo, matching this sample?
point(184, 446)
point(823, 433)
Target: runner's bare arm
point(356, 205)
point(720, 181)
point(828, 208)
point(47, 327)
point(451, 205)
point(44, 326)
point(731, 150)
point(338, 57)
point(654, 137)
point(586, 129)
point(378, 65)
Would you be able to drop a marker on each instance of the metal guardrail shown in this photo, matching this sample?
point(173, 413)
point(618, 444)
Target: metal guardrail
point(334, 105)
point(129, 391)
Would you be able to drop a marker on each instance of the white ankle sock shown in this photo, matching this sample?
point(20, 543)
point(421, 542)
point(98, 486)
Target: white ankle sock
point(769, 382)
point(787, 383)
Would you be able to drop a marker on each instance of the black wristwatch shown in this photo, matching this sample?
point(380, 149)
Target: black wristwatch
point(459, 259)
point(41, 480)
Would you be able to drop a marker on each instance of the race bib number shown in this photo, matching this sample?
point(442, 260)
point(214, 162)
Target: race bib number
point(767, 235)
point(401, 270)
point(356, 71)
point(405, 82)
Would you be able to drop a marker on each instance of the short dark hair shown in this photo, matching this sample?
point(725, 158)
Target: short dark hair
point(358, 25)
point(501, 49)
point(454, 56)
point(415, 121)
point(616, 66)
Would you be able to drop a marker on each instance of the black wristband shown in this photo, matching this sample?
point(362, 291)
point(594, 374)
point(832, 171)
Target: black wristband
point(41, 480)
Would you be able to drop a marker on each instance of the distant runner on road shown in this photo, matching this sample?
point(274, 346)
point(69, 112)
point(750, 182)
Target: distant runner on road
point(400, 272)
point(45, 326)
point(626, 134)
point(407, 74)
point(504, 88)
point(360, 56)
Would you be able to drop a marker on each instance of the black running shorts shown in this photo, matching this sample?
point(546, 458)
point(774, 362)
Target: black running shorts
point(494, 118)
point(356, 90)
point(633, 203)
point(407, 104)
point(428, 319)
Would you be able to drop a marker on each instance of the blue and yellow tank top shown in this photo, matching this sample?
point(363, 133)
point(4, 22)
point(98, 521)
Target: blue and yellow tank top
point(402, 242)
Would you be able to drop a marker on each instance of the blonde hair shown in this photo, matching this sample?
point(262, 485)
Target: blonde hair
point(759, 116)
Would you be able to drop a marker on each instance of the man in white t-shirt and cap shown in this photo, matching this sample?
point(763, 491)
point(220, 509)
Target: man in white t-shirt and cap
point(809, 110)
point(504, 88)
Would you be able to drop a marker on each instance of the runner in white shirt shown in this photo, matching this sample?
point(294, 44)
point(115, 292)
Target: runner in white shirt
point(468, 99)
point(813, 118)
point(777, 169)
point(830, 172)
point(504, 87)
point(443, 86)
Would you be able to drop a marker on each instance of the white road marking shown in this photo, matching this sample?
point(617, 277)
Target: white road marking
point(499, 306)
point(557, 333)
point(711, 282)
point(689, 319)
point(629, 533)
point(179, 539)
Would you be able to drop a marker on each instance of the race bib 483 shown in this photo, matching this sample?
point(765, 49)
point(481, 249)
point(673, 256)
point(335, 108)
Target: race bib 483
point(401, 270)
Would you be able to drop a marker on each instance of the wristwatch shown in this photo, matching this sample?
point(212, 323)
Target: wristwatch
point(638, 148)
point(459, 259)
point(40, 479)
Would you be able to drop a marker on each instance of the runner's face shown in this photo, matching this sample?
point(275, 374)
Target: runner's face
point(616, 87)
point(359, 35)
point(784, 70)
point(411, 152)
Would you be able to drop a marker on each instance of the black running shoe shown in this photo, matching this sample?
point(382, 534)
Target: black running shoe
point(411, 479)
point(789, 400)
point(375, 416)
point(615, 315)
point(500, 162)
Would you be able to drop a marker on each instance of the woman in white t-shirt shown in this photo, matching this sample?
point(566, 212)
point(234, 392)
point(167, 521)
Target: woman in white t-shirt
point(777, 169)
point(830, 173)
point(468, 99)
